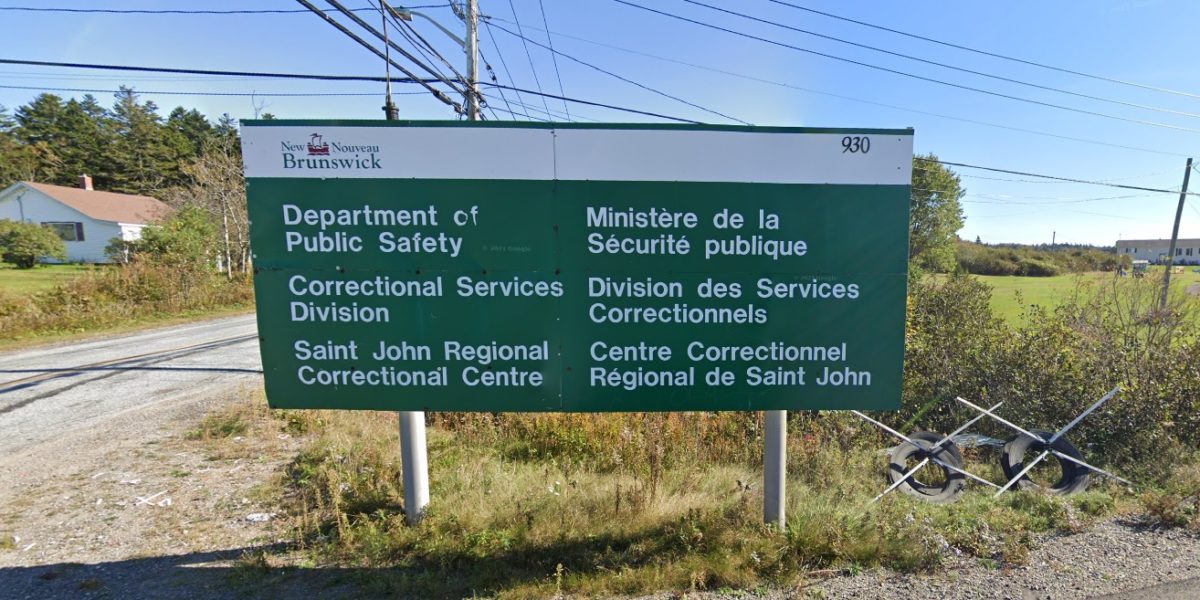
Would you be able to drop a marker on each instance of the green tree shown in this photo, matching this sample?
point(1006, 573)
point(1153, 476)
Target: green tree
point(17, 161)
point(188, 131)
point(22, 244)
point(186, 239)
point(81, 143)
point(935, 214)
point(143, 160)
point(215, 184)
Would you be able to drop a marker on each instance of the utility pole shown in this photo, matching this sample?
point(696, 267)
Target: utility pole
point(472, 50)
point(390, 112)
point(1175, 235)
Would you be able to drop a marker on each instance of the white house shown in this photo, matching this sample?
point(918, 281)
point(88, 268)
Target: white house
point(84, 218)
point(1187, 251)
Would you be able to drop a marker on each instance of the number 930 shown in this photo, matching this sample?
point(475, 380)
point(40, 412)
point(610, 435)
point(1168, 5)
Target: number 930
point(855, 144)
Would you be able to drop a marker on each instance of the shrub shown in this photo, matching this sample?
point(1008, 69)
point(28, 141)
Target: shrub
point(23, 244)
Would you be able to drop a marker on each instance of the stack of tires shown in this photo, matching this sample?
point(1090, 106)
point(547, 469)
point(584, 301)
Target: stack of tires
point(950, 483)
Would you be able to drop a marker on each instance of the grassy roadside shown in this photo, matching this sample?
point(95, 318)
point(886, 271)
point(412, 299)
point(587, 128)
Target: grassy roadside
point(535, 506)
point(117, 300)
point(132, 325)
point(22, 282)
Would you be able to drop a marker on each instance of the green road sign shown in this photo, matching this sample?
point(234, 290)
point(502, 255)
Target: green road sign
point(517, 267)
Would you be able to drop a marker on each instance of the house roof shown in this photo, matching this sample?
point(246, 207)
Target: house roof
point(105, 206)
point(1160, 242)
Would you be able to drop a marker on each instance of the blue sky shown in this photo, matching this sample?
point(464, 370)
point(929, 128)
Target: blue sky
point(1142, 41)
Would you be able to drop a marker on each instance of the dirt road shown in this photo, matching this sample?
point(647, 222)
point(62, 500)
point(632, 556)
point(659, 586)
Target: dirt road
point(54, 391)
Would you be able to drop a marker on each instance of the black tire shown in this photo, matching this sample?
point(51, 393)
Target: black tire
point(922, 448)
point(1074, 478)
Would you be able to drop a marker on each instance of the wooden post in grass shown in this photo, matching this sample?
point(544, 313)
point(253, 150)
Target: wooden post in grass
point(1175, 235)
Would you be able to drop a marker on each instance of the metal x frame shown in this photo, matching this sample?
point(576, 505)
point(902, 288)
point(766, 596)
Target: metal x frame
point(1049, 442)
point(930, 459)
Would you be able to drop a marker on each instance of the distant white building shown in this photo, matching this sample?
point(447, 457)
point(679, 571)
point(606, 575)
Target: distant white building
point(1187, 251)
point(84, 218)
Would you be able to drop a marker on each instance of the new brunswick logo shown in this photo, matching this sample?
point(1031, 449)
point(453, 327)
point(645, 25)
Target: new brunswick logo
point(316, 153)
point(316, 146)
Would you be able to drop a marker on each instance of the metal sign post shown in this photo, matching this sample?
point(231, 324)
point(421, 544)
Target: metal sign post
point(414, 460)
point(774, 467)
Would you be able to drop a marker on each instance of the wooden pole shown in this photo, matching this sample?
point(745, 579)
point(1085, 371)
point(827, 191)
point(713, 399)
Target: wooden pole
point(1175, 235)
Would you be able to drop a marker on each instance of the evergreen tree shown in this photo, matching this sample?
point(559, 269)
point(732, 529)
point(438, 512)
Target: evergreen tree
point(16, 161)
point(188, 131)
point(143, 161)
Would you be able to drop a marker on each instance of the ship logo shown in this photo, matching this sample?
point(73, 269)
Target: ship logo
point(317, 146)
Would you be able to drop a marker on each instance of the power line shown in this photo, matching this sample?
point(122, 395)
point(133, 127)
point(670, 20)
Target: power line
point(367, 26)
point(600, 105)
point(1042, 181)
point(503, 63)
point(259, 74)
point(336, 78)
point(553, 115)
point(944, 65)
point(554, 56)
point(183, 93)
point(528, 55)
point(863, 101)
point(986, 53)
point(1046, 200)
point(342, 28)
point(855, 99)
point(525, 116)
point(625, 79)
point(487, 65)
point(1053, 177)
point(115, 11)
point(905, 73)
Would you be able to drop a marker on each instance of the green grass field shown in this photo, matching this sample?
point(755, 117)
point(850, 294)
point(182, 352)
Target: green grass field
point(1010, 295)
point(40, 278)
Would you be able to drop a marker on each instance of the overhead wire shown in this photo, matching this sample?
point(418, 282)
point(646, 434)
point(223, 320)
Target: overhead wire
point(905, 73)
point(440, 95)
point(553, 114)
point(393, 45)
point(492, 75)
point(133, 11)
point(1043, 181)
point(944, 65)
point(863, 101)
point(596, 104)
point(342, 78)
point(1053, 177)
point(528, 54)
point(258, 74)
point(625, 79)
point(186, 93)
point(987, 53)
point(554, 56)
point(503, 63)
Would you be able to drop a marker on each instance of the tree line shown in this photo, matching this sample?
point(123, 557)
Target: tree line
point(183, 159)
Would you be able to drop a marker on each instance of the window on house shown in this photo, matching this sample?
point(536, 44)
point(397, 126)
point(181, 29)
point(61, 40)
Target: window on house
point(1189, 251)
point(69, 232)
